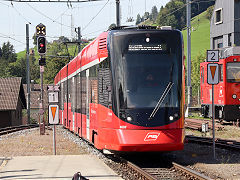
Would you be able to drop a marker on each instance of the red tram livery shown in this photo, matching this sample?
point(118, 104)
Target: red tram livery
point(226, 92)
point(125, 90)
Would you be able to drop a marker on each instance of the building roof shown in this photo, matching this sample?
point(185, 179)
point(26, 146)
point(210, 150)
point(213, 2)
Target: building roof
point(11, 89)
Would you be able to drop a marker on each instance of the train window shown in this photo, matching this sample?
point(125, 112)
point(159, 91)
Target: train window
point(93, 84)
point(202, 74)
point(84, 91)
point(233, 72)
point(65, 91)
point(62, 96)
point(78, 79)
point(221, 73)
point(104, 81)
point(73, 94)
point(69, 89)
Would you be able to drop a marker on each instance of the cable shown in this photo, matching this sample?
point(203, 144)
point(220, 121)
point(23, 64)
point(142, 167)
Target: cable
point(4, 4)
point(194, 1)
point(8, 37)
point(47, 16)
point(95, 15)
point(21, 15)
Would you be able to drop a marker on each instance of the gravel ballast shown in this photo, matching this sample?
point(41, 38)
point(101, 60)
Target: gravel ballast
point(195, 156)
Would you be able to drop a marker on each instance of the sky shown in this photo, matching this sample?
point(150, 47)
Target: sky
point(93, 17)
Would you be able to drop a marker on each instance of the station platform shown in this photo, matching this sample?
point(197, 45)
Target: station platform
point(55, 167)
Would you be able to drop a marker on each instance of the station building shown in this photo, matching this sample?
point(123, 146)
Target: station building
point(225, 27)
point(12, 101)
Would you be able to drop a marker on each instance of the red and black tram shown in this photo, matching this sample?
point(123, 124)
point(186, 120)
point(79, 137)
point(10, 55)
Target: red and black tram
point(226, 92)
point(125, 90)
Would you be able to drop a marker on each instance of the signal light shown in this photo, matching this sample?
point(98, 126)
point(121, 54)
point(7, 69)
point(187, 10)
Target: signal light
point(40, 29)
point(42, 61)
point(41, 44)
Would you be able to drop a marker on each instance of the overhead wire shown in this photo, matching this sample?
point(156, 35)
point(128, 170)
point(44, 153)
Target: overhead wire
point(47, 16)
point(4, 4)
point(194, 1)
point(21, 15)
point(95, 15)
point(9, 37)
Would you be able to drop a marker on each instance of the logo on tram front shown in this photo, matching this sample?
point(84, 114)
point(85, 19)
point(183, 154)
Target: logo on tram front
point(152, 136)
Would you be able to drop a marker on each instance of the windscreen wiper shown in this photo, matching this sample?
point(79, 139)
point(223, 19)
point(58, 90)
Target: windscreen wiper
point(166, 91)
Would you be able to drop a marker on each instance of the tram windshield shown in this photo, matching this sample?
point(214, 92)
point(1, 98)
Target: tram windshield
point(147, 64)
point(233, 72)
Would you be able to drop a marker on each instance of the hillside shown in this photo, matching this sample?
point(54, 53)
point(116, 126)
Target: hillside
point(200, 40)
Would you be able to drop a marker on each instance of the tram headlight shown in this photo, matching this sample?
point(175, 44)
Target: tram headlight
point(171, 118)
point(129, 118)
point(234, 96)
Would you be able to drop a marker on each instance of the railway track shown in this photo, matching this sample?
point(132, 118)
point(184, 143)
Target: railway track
point(176, 172)
point(196, 124)
point(167, 169)
point(12, 129)
point(231, 144)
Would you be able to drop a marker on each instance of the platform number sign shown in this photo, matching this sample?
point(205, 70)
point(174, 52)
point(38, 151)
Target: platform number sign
point(212, 56)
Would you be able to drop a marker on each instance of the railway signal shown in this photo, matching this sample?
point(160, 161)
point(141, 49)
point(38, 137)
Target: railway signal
point(42, 61)
point(40, 30)
point(41, 44)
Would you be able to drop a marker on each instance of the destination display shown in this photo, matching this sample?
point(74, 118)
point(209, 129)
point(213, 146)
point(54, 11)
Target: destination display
point(147, 47)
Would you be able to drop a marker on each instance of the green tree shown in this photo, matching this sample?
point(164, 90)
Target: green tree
point(139, 19)
point(34, 39)
point(209, 12)
point(8, 53)
point(112, 26)
point(195, 74)
point(154, 14)
point(146, 16)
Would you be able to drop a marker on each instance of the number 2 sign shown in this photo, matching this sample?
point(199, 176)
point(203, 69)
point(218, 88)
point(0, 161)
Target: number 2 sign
point(212, 56)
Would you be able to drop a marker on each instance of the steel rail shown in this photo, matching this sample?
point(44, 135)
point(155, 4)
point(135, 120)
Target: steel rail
point(219, 142)
point(12, 129)
point(190, 172)
point(186, 171)
point(140, 171)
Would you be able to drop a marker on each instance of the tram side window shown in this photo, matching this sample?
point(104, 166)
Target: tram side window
point(78, 92)
point(202, 75)
point(65, 91)
point(69, 89)
point(73, 93)
point(105, 83)
point(84, 91)
point(93, 84)
point(220, 72)
point(61, 99)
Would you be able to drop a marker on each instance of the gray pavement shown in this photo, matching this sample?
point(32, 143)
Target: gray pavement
point(55, 167)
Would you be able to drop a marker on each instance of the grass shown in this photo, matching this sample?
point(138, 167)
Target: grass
point(200, 35)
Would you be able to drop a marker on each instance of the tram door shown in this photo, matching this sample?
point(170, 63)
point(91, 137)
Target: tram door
point(87, 105)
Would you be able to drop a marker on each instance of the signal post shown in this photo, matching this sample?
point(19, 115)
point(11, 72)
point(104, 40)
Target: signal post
point(41, 47)
point(53, 110)
point(212, 79)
